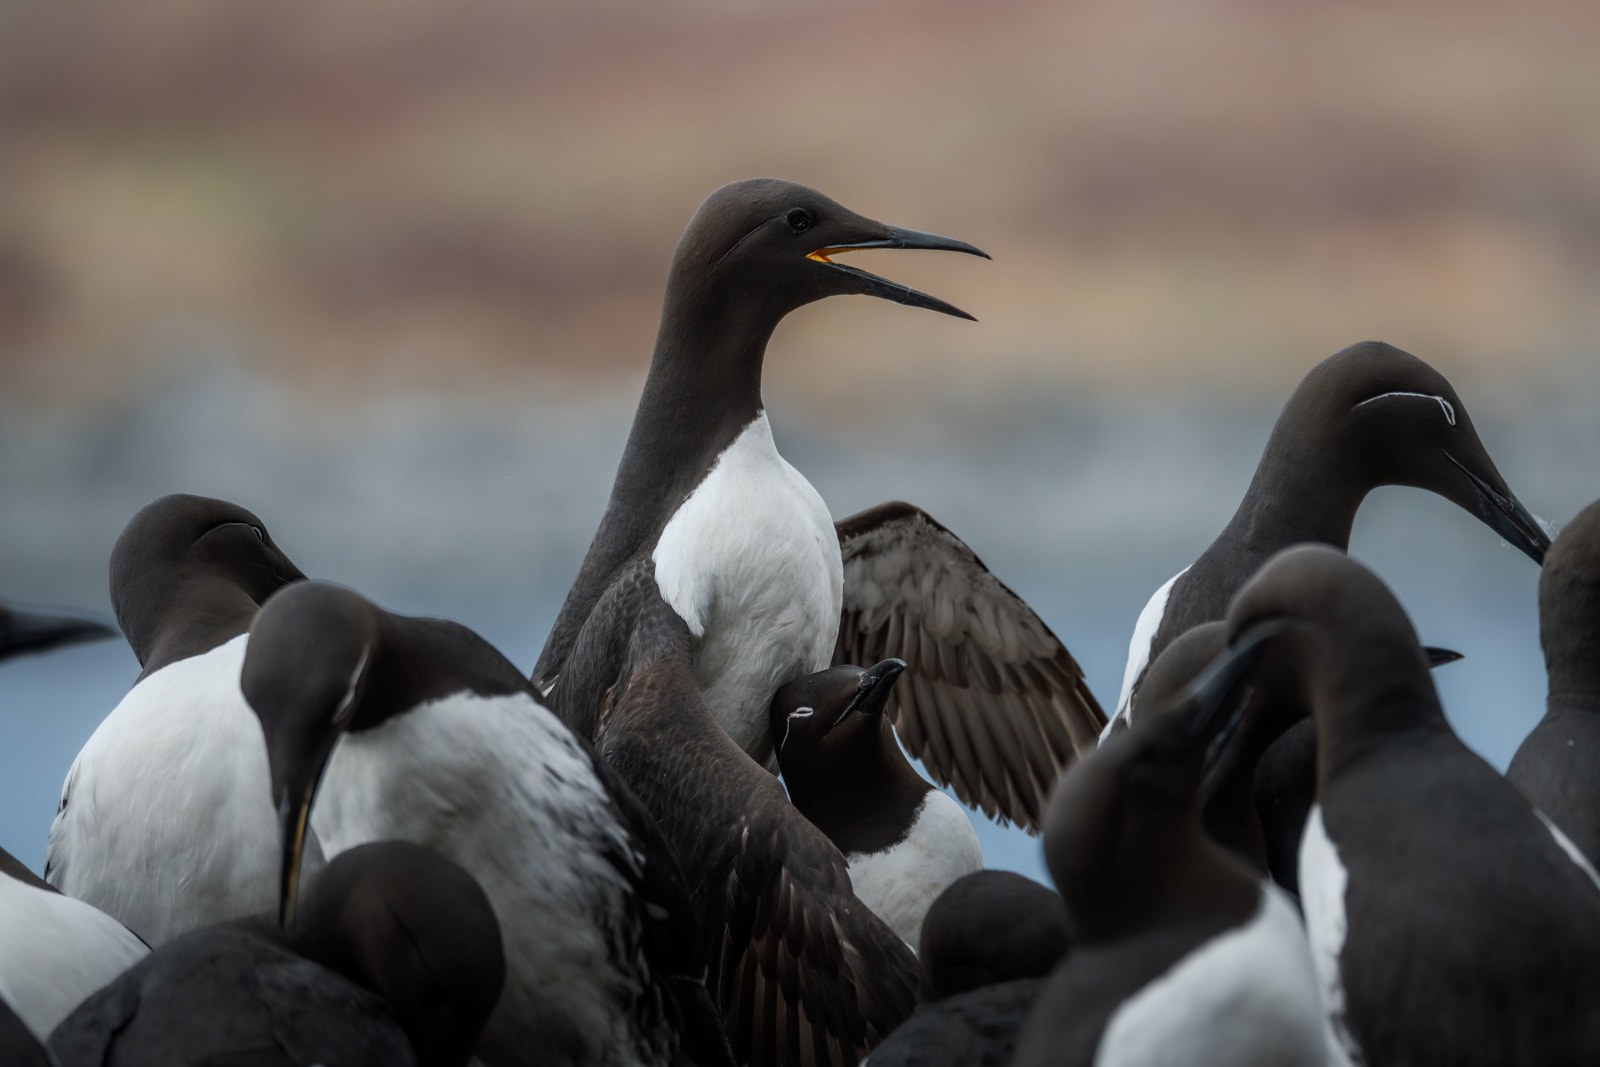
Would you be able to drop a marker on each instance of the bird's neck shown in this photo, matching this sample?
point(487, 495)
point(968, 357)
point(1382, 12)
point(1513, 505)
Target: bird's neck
point(867, 801)
point(1306, 488)
point(213, 614)
point(1371, 707)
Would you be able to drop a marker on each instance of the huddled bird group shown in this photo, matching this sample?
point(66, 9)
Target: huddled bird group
point(319, 832)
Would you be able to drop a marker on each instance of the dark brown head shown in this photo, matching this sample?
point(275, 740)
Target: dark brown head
point(833, 718)
point(192, 554)
point(1569, 610)
point(1394, 420)
point(766, 246)
point(986, 928)
point(306, 669)
point(418, 930)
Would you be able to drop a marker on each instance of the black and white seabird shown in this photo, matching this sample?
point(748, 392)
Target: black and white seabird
point(1558, 765)
point(988, 943)
point(745, 551)
point(23, 631)
point(54, 950)
point(803, 972)
point(395, 959)
point(386, 727)
point(165, 821)
point(1179, 954)
point(905, 841)
point(1367, 416)
point(1449, 922)
point(1258, 798)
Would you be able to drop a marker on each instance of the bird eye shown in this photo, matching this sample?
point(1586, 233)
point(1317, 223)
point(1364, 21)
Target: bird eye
point(799, 220)
point(261, 535)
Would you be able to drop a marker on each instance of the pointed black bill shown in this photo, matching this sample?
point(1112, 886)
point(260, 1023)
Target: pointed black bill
point(1439, 657)
point(877, 682)
point(22, 632)
point(873, 285)
point(1505, 515)
point(293, 820)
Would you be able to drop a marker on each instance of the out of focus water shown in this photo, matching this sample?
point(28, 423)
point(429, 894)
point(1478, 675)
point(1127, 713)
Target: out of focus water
point(478, 507)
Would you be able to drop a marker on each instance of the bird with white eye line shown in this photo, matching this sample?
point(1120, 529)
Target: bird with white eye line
point(746, 553)
point(165, 820)
point(1367, 416)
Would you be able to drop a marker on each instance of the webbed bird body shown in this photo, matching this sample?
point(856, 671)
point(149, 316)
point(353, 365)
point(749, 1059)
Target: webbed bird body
point(802, 971)
point(1449, 922)
point(429, 735)
point(165, 820)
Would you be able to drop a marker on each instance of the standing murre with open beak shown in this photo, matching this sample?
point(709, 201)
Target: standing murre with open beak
point(1367, 416)
point(906, 842)
point(164, 821)
point(1449, 921)
point(387, 727)
point(744, 548)
point(1179, 953)
point(395, 960)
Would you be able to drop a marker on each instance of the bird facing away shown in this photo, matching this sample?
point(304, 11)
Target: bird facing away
point(905, 841)
point(1275, 741)
point(1558, 765)
point(23, 632)
point(1179, 954)
point(802, 971)
point(987, 945)
point(1449, 922)
point(165, 820)
point(386, 727)
point(744, 548)
point(1367, 416)
point(54, 950)
point(395, 959)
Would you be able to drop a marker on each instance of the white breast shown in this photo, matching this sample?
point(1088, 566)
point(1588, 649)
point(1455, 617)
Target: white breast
point(1322, 892)
point(751, 562)
point(1243, 999)
point(167, 822)
point(499, 786)
point(900, 883)
point(1144, 634)
point(54, 952)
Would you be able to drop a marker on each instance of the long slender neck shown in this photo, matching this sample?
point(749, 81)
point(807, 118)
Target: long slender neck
point(1370, 704)
point(1305, 489)
point(703, 388)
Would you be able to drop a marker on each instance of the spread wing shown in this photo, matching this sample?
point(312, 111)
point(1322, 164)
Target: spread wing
point(991, 702)
point(802, 972)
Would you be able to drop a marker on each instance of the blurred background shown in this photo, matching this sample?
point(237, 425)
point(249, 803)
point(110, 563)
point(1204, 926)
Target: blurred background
point(387, 273)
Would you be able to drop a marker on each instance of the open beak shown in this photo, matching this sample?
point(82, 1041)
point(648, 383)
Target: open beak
point(872, 285)
point(29, 631)
point(873, 692)
point(1505, 515)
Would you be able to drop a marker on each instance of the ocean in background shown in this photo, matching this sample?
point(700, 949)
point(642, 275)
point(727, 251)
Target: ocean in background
point(478, 506)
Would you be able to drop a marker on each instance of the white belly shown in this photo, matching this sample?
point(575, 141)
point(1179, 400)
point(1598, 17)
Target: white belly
point(54, 952)
point(168, 822)
point(500, 787)
point(1245, 999)
point(899, 884)
point(751, 562)
point(1322, 892)
point(1144, 635)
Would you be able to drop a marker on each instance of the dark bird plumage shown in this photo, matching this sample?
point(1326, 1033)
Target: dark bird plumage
point(802, 971)
point(396, 959)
